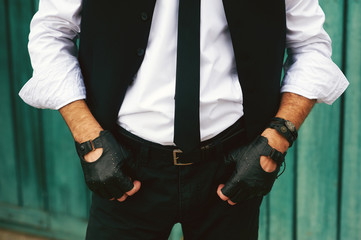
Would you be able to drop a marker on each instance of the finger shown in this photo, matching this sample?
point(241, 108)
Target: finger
point(93, 155)
point(223, 197)
point(231, 188)
point(230, 202)
point(135, 189)
point(112, 199)
point(220, 194)
point(122, 198)
point(267, 164)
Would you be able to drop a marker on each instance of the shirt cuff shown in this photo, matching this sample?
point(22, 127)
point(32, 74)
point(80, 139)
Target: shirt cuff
point(314, 76)
point(54, 89)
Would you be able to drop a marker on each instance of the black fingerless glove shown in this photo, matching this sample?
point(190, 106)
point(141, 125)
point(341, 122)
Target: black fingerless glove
point(249, 179)
point(105, 176)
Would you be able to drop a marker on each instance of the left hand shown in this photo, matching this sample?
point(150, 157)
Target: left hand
point(255, 172)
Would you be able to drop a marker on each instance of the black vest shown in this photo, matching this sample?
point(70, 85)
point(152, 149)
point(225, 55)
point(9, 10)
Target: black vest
point(114, 36)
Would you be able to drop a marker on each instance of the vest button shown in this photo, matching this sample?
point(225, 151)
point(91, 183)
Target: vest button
point(140, 52)
point(144, 16)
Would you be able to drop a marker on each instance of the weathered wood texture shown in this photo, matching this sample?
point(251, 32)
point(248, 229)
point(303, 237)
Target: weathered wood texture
point(350, 208)
point(306, 201)
point(318, 154)
point(318, 197)
point(8, 172)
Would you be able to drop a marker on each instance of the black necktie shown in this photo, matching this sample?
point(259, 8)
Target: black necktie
point(186, 121)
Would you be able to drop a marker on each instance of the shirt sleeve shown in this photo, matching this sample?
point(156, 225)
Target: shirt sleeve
point(57, 78)
point(309, 69)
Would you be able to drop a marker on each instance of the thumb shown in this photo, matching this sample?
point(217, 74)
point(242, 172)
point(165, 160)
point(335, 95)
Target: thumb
point(136, 187)
point(222, 196)
point(231, 187)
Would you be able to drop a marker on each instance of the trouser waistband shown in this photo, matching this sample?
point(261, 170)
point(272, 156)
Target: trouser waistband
point(222, 143)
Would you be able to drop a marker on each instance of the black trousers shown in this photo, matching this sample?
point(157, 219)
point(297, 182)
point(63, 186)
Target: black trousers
point(170, 194)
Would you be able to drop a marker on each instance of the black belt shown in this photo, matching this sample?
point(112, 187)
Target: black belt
point(222, 143)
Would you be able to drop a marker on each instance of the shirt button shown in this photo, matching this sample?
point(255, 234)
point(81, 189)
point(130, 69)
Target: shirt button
point(144, 16)
point(140, 52)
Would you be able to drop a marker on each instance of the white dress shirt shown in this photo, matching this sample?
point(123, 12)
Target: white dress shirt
point(148, 107)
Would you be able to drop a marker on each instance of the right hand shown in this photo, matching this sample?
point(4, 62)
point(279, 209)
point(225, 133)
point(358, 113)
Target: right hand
point(103, 170)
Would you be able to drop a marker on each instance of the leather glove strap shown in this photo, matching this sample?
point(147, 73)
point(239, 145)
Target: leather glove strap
point(88, 146)
point(274, 154)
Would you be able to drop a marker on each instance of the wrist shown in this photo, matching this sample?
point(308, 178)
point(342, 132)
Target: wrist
point(82, 124)
point(276, 140)
point(86, 132)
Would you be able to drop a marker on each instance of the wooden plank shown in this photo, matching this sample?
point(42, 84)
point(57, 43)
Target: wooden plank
point(318, 154)
point(282, 208)
point(24, 216)
point(317, 176)
point(72, 228)
point(351, 174)
point(67, 191)
point(176, 233)
point(68, 227)
point(27, 129)
point(6, 235)
point(263, 231)
point(334, 26)
point(36, 4)
point(8, 175)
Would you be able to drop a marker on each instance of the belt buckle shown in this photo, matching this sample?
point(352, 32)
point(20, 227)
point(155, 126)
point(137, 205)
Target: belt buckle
point(176, 153)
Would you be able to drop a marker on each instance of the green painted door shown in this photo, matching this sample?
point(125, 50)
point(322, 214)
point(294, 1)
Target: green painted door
point(41, 184)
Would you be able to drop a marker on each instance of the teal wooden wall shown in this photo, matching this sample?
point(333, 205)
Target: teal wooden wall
point(318, 197)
